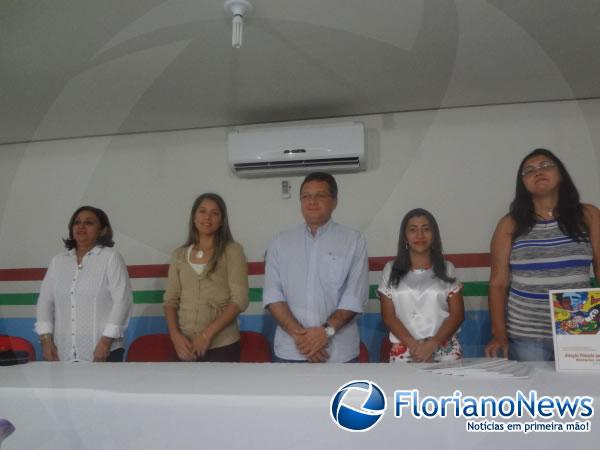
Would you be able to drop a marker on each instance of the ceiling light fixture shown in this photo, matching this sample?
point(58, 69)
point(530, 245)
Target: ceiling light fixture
point(239, 9)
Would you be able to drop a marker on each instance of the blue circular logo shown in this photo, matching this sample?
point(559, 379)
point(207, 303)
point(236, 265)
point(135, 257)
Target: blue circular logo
point(358, 405)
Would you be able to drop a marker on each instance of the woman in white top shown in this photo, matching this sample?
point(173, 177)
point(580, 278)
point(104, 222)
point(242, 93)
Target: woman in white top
point(421, 301)
point(85, 298)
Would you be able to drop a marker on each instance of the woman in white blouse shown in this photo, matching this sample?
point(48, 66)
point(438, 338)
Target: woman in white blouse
point(421, 301)
point(85, 298)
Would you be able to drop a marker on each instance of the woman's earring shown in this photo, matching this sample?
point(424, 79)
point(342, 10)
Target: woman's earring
point(406, 246)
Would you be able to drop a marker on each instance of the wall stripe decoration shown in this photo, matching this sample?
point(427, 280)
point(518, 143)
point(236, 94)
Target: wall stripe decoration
point(19, 292)
point(141, 297)
point(376, 264)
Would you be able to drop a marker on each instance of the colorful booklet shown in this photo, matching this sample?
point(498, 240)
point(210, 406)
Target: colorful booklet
point(576, 329)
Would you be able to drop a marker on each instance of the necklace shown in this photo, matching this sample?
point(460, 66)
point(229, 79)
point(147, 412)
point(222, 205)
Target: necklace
point(422, 269)
point(548, 214)
point(201, 253)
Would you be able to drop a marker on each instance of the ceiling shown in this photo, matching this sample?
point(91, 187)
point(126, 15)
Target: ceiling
point(93, 67)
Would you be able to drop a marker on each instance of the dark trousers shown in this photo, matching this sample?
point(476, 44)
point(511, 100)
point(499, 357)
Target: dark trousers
point(116, 355)
point(228, 353)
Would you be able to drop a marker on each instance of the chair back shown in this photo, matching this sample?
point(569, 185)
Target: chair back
point(384, 352)
point(363, 354)
point(255, 347)
point(17, 344)
point(152, 348)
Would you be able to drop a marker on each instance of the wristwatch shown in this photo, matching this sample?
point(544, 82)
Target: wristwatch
point(329, 330)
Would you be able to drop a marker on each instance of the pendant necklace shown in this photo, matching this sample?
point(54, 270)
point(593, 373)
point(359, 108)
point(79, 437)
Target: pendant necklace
point(549, 215)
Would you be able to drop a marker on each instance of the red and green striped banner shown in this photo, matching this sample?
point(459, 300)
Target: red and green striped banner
point(474, 288)
point(460, 260)
point(144, 297)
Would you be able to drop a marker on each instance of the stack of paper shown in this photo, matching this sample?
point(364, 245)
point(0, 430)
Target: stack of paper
point(480, 367)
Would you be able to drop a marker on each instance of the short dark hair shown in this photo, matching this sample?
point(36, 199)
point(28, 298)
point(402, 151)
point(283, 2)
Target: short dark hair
point(105, 239)
point(570, 211)
point(322, 176)
point(222, 236)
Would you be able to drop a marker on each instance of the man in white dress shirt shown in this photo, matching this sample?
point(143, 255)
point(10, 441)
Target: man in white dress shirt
point(316, 281)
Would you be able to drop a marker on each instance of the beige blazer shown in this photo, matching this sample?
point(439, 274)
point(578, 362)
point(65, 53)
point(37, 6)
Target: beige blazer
point(200, 298)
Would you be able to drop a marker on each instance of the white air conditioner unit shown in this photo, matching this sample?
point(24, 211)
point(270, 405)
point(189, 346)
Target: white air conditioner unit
point(297, 149)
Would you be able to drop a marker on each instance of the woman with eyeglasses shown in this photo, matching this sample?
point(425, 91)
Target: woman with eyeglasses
point(421, 300)
point(547, 241)
point(207, 287)
point(85, 298)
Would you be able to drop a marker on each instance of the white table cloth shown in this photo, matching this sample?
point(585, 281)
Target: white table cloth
point(80, 406)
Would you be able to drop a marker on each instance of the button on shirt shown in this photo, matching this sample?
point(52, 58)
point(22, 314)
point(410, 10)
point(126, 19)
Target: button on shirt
point(81, 303)
point(317, 275)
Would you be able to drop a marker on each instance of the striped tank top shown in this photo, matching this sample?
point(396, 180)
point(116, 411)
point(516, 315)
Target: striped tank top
point(541, 260)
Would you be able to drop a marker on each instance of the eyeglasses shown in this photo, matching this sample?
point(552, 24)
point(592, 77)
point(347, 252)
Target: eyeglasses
point(543, 167)
point(319, 196)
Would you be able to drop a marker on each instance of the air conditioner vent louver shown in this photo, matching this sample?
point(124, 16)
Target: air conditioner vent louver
point(351, 162)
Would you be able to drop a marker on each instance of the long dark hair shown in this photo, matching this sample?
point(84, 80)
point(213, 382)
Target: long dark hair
point(569, 210)
point(222, 236)
point(402, 263)
point(106, 236)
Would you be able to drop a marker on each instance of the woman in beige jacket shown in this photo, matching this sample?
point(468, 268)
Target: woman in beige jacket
point(207, 287)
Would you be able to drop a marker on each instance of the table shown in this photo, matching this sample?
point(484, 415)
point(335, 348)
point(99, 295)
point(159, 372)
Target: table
point(80, 406)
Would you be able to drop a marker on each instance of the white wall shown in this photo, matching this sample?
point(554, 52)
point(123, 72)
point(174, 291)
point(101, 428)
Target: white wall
point(458, 163)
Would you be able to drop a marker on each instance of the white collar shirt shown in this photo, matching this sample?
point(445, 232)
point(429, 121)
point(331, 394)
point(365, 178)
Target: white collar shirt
point(316, 275)
point(81, 303)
